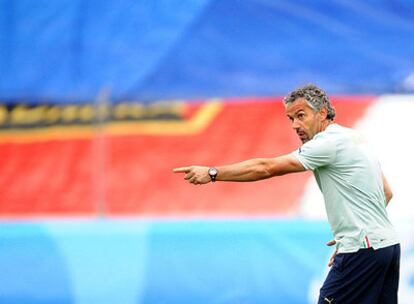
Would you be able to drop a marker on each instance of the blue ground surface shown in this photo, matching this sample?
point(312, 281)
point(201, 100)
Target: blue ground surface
point(144, 261)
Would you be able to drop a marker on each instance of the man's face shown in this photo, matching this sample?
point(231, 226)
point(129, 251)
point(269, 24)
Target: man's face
point(304, 120)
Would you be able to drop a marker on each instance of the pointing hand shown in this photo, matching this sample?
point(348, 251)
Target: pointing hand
point(196, 175)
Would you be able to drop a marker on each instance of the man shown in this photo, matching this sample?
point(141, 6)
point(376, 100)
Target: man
point(365, 264)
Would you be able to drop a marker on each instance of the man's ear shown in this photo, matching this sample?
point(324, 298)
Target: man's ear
point(324, 113)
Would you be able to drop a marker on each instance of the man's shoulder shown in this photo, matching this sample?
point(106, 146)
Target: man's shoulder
point(335, 131)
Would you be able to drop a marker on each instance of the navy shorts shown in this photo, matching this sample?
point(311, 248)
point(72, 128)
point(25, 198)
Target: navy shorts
point(365, 277)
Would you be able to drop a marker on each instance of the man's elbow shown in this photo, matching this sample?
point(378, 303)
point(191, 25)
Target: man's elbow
point(264, 171)
point(268, 168)
point(282, 165)
point(389, 196)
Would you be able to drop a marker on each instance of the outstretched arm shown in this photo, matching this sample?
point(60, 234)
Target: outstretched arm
point(245, 171)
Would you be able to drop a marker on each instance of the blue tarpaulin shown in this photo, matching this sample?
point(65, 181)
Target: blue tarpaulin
point(72, 50)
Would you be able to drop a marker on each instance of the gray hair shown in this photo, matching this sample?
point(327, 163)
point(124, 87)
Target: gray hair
point(316, 98)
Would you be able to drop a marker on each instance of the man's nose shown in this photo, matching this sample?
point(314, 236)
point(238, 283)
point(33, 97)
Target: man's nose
point(295, 124)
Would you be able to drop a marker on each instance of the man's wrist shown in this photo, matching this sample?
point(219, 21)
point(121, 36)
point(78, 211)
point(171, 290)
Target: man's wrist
point(212, 172)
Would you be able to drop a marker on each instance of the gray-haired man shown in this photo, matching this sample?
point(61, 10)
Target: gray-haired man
point(366, 261)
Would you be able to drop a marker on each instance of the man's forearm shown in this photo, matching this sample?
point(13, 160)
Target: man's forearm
point(245, 171)
point(259, 168)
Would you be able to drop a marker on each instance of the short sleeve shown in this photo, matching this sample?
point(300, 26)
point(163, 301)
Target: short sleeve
point(316, 153)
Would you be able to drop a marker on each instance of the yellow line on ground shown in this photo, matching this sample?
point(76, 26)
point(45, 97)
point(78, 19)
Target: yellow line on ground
point(200, 120)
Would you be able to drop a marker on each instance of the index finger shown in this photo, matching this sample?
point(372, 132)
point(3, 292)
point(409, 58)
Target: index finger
point(181, 170)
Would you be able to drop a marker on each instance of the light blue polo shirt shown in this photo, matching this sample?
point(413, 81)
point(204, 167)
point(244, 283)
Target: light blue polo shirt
point(349, 175)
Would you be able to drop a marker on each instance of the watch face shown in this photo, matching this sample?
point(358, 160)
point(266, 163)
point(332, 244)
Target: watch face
point(212, 171)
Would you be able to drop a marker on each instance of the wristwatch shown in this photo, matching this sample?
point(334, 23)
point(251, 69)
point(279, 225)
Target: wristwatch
point(213, 174)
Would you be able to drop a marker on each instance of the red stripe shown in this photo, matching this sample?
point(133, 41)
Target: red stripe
point(68, 171)
point(368, 244)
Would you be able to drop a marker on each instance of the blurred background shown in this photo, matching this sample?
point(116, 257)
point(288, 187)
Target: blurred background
point(100, 100)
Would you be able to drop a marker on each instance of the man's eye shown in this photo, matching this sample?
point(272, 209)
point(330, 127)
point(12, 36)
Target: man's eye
point(301, 115)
